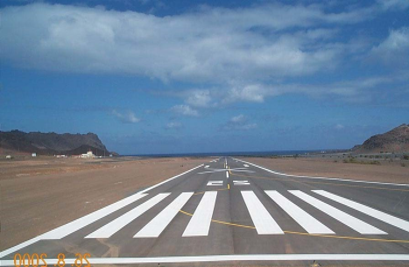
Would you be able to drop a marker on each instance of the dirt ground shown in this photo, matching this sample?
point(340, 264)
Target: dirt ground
point(391, 172)
point(38, 195)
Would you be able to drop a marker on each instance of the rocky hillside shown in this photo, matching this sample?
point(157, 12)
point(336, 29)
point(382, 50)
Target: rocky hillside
point(396, 140)
point(51, 143)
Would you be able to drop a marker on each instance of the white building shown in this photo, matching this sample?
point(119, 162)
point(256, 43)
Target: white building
point(89, 155)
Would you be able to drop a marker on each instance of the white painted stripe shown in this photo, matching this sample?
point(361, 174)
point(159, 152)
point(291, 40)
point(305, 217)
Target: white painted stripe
point(382, 216)
point(155, 227)
point(264, 223)
point(215, 183)
point(79, 223)
point(199, 224)
point(18, 247)
point(323, 178)
point(305, 220)
point(237, 257)
point(227, 174)
point(348, 220)
point(212, 171)
point(114, 226)
point(242, 182)
point(170, 179)
point(242, 171)
point(74, 226)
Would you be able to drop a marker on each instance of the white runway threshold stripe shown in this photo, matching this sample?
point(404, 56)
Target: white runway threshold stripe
point(77, 224)
point(156, 226)
point(264, 223)
point(350, 221)
point(382, 216)
point(73, 226)
point(306, 221)
point(199, 224)
point(226, 258)
point(114, 226)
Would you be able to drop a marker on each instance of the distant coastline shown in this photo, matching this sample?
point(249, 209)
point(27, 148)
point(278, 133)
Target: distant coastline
point(245, 153)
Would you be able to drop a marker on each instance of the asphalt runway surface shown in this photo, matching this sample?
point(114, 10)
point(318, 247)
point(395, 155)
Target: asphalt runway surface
point(234, 212)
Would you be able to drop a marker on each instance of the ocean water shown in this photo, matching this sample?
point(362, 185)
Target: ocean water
point(245, 153)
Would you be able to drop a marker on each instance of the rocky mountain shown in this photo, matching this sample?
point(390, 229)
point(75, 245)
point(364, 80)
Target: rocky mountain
point(51, 143)
point(396, 140)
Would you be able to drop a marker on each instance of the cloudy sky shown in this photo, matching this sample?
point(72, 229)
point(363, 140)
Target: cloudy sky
point(183, 76)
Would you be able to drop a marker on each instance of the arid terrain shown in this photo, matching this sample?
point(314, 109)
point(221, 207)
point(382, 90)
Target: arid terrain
point(41, 194)
point(38, 195)
point(386, 171)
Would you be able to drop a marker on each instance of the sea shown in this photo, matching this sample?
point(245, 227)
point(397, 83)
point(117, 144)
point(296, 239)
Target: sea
point(246, 153)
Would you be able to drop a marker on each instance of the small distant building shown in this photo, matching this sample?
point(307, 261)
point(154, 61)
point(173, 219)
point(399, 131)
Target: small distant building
point(89, 155)
point(34, 155)
point(8, 157)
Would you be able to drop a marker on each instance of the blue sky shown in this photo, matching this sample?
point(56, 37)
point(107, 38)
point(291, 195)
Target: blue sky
point(203, 76)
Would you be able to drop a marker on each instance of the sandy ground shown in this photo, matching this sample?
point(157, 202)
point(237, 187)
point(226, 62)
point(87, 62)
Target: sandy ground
point(38, 195)
point(387, 171)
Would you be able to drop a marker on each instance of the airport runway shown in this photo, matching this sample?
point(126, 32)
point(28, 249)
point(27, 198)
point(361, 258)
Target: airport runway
point(234, 212)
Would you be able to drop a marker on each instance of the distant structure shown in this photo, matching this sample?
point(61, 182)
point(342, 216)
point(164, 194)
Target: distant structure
point(8, 157)
point(89, 155)
point(34, 155)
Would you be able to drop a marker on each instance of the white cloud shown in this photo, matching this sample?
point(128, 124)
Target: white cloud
point(247, 93)
point(185, 110)
point(173, 125)
point(242, 54)
point(339, 126)
point(211, 44)
point(198, 98)
point(395, 48)
point(393, 4)
point(128, 117)
point(239, 122)
point(238, 119)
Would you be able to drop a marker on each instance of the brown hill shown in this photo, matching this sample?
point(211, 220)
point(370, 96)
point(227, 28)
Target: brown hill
point(396, 140)
point(51, 143)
